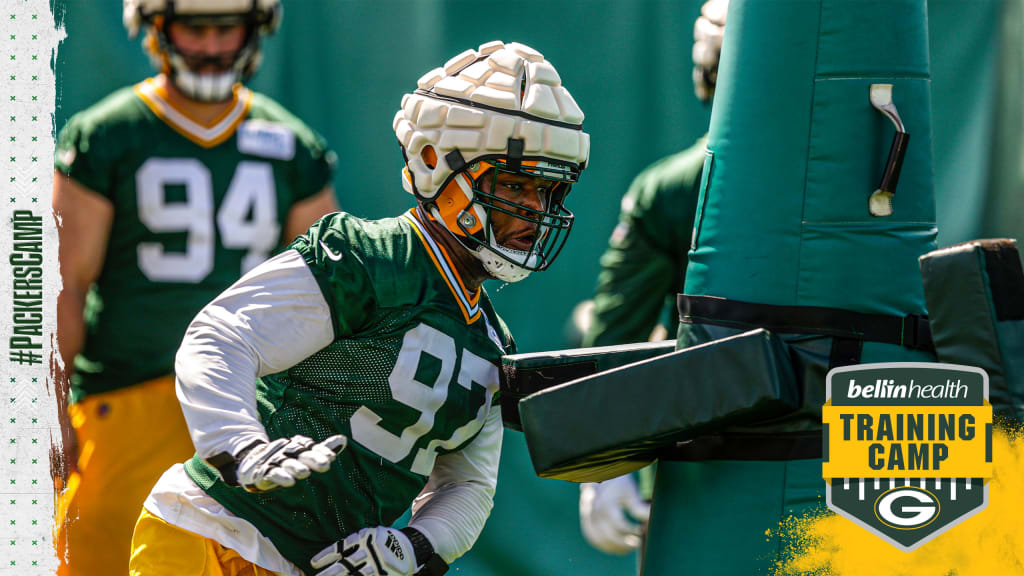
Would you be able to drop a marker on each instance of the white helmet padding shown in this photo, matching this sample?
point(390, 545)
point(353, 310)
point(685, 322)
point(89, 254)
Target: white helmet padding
point(478, 101)
point(502, 105)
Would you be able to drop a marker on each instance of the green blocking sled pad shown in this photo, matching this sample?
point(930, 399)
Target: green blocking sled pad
point(975, 295)
point(613, 422)
point(524, 374)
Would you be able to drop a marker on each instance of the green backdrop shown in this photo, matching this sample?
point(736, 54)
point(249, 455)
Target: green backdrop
point(343, 66)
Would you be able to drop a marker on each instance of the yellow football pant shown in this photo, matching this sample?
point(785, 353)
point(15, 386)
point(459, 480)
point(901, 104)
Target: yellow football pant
point(127, 438)
point(161, 549)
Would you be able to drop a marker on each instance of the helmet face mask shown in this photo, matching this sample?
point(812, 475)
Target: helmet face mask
point(550, 224)
point(185, 67)
point(498, 112)
point(221, 62)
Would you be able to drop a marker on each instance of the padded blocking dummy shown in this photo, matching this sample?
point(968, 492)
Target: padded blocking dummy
point(784, 239)
point(975, 294)
point(617, 421)
point(795, 149)
point(524, 374)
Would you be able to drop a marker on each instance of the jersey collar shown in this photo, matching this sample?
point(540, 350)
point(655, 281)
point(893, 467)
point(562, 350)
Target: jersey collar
point(468, 303)
point(206, 135)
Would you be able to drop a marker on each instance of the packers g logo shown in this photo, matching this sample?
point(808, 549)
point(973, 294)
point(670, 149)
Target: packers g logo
point(907, 508)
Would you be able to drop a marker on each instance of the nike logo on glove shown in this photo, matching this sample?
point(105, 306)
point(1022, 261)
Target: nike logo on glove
point(335, 256)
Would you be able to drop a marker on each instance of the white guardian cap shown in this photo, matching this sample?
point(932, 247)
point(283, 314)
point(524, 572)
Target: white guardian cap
point(499, 108)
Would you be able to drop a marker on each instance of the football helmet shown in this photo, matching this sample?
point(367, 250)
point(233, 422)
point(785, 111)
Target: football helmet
point(708, 31)
point(260, 17)
point(498, 109)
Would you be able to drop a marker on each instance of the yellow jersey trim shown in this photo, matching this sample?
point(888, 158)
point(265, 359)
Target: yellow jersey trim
point(468, 303)
point(205, 134)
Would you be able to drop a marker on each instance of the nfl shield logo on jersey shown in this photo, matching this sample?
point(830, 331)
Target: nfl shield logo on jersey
point(907, 447)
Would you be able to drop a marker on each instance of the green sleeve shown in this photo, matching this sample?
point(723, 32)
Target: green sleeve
point(644, 265)
point(631, 288)
point(80, 154)
point(314, 164)
point(330, 249)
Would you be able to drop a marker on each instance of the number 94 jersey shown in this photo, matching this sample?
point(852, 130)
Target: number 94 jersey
point(195, 206)
point(411, 374)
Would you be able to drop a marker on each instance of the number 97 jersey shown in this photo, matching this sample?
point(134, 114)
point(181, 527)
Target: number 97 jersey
point(195, 206)
point(411, 375)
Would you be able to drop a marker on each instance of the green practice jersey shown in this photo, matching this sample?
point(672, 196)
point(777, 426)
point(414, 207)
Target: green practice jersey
point(411, 374)
point(643, 267)
point(195, 206)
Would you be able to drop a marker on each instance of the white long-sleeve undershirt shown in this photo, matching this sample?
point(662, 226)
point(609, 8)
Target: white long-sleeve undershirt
point(458, 498)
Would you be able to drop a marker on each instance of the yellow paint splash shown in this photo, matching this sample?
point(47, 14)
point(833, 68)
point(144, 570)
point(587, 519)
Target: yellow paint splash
point(990, 543)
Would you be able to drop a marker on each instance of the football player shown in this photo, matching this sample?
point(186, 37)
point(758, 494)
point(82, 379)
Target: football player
point(356, 373)
point(167, 192)
point(641, 272)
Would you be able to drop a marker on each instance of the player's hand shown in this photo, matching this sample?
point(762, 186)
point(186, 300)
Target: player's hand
point(708, 32)
point(603, 509)
point(63, 460)
point(271, 465)
point(375, 551)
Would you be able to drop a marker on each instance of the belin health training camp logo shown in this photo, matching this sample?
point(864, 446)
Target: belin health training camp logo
point(908, 447)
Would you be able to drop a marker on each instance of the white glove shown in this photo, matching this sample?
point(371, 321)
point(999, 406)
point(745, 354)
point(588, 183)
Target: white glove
point(708, 32)
point(375, 551)
point(603, 509)
point(278, 464)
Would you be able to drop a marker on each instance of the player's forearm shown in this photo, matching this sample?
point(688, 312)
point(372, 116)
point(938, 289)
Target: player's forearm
point(458, 498)
point(70, 324)
point(70, 339)
point(454, 517)
point(84, 219)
